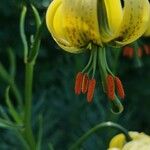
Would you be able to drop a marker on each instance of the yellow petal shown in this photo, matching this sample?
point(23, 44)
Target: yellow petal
point(57, 22)
point(131, 24)
point(147, 33)
point(54, 22)
point(140, 142)
point(71, 49)
point(117, 142)
point(51, 16)
point(135, 20)
point(114, 14)
point(80, 22)
point(110, 17)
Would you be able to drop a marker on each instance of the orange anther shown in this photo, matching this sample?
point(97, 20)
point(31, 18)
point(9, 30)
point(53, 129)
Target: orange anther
point(91, 88)
point(120, 89)
point(110, 87)
point(78, 83)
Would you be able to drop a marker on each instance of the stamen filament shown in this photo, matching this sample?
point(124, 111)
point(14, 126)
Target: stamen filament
point(94, 61)
point(89, 62)
point(106, 64)
point(90, 69)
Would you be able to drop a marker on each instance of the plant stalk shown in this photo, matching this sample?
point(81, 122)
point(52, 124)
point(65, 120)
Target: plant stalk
point(29, 68)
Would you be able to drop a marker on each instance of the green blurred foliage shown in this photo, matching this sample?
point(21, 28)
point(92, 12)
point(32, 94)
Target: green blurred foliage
point(65, 115)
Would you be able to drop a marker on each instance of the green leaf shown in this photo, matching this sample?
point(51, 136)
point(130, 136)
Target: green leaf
point(8, 125)
point(11, 108)
point(22, 32)
point(37, 17)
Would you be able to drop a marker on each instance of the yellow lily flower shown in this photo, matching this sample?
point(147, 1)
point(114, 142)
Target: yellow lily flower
point(76, 23)
point(140, 141)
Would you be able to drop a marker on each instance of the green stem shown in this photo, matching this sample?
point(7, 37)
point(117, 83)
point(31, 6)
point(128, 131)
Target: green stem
point(30, 59)
point(83, 138)
point(28, 104)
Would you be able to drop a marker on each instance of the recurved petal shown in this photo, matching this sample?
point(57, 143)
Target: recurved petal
point(52, 17)
point(135, 21)
point(110, 17)
point(54, 22)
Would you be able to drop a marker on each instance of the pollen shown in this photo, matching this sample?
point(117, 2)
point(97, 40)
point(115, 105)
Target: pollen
point(119, 87)
point(91, 89)
point(78, 83)
point(85, 83)
point(110, 85)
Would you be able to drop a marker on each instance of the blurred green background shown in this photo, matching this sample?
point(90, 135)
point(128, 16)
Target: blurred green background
point(65, 115)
